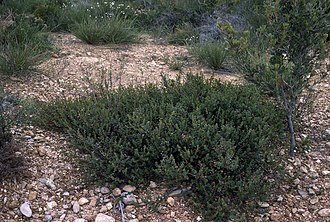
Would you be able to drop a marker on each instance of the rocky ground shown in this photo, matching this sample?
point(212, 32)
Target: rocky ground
point(53, 189)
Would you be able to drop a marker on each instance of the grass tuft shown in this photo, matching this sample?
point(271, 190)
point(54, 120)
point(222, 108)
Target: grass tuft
point(212, 54)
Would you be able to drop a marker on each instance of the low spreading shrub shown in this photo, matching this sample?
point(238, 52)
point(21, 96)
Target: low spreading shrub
point(10, 164)
point(23, 45)
point(106, 30)
point(212, 54)
point(219, 139)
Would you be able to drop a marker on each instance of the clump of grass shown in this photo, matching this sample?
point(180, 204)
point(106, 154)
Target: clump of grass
point(183, 34)
point(23, 45)
point(212, 54)
point(106, 30)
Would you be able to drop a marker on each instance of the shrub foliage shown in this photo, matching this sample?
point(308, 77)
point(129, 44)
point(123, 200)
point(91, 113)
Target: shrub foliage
point(10, 164)
point(217, 138)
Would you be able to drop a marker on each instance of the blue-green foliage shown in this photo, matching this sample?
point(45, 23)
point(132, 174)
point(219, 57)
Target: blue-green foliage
point(220, 139)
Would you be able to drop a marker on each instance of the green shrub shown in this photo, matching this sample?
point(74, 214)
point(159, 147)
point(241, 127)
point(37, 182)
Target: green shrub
point(212, 54)
point(10, 164)
point(284, 54)
point(183, 34)
point(220, 139)
point(22, 46)
point(97, 31)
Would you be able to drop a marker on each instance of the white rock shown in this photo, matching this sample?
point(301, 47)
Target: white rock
point(326, 172)
point(80, 220)
point(83, 201)
point(129, 188)
point(104, 218)
point(133, 220)
point(116, 192)
point(170, 201)
point(152, 185)
point(103, 209)
point(263, 204)
point(280, 198)
point(76, 207)
point(51, 205)
point(109, 206)
point(314, 200)
point(129, 199)
point(104, 190)
point(48, 217)
point(62, 217)
point(324, 212)
point(26, 210)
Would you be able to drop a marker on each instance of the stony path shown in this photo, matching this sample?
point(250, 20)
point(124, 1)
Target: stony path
point(54, 190)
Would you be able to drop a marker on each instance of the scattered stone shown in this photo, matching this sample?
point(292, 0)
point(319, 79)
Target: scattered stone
point(48, 182)
point(129, 188)
point(327, 131)
point(280, 198)
point(41, 151)
point(103, 209)
point(116, 192)
point(48, 217)
point(129, 199)
point(275, 216)
point(83, 201)
point(26, 210)
point(80, 220)
point(24, 184)
point(76, 207)
point(105, 190)
point(263, 204)
point(104, 218)
point(325, 172)
point(32, 195)
point(327, 185)
point(296, 181)
point(170, 201)
point(306, 214)
point(178, 192)
point(303, 169)
point(13, 204)
point(66, 193)
point(294, 210)
point(129, 208)
point(140, 217)
point(62, 217)
point(162, 209)
point(303, 194)
point(324, 212)
point(314, 175)
point(152, 185)
point(311, 191)
point(93, 202)
point(133, 220)
point(109, 206)
point(51, 205)
point(65, 206)
point(314, 200)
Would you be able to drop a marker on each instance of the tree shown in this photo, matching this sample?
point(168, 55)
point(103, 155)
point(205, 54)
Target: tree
point(283, 56)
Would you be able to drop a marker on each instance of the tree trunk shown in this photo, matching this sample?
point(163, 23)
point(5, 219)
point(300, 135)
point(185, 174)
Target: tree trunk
point(288, 111)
